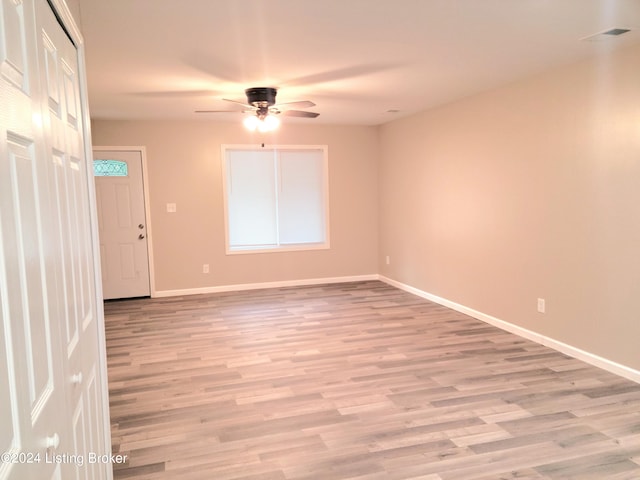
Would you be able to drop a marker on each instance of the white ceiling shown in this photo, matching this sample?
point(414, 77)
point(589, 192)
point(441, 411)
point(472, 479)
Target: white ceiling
point(356, 59)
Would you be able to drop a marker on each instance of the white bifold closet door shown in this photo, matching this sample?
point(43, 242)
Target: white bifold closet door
point(53, 412)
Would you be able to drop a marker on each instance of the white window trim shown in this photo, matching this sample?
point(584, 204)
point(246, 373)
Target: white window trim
point(276, 248)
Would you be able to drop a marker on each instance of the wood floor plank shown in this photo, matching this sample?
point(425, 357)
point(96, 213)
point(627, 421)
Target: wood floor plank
point(354, 381)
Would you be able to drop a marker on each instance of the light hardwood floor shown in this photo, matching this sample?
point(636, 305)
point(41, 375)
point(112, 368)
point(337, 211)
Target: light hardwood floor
point(353, 381)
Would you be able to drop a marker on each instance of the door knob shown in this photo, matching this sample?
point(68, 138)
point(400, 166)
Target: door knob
point(52, 441)
point(77, 378)
point(141, 236)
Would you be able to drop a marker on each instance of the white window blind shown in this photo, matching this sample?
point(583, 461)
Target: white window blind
point(276, 198)
point(252, 200)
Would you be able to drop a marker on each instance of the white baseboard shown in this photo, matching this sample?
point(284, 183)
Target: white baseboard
point(256, 286)
point(605, 364)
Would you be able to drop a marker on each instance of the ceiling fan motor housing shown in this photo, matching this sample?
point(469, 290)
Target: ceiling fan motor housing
point(261, 96)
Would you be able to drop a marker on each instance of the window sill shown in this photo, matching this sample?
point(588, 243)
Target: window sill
point(277, 248)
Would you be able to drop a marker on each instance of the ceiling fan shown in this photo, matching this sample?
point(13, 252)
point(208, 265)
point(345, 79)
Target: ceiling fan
point(262, 102)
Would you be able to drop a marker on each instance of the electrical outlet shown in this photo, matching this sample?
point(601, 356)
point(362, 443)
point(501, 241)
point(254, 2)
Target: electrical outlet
point(541, 305)
point(205, 268)
point(388, 260)
point(171, 207)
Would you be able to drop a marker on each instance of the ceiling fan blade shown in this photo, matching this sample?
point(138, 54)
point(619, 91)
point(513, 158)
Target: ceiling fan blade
point(300, 104)
point(300, 113)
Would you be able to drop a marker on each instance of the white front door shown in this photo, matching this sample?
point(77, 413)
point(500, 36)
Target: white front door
point(52, 364)
point(122, 223)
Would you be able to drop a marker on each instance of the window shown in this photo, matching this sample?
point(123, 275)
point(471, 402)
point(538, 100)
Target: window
point(110, 168)
point(276, 198)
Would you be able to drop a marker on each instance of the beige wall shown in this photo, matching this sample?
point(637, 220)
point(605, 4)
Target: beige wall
point(184, 165)
point(532, 190)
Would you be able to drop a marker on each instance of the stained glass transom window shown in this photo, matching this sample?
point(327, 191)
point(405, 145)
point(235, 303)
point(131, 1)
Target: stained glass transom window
point(110, 168)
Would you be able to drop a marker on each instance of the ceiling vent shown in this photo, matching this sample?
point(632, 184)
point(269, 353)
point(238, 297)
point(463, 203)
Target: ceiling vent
point(606, 35)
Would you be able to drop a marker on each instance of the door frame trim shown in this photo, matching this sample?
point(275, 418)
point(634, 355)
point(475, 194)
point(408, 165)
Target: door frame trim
point(147, 204)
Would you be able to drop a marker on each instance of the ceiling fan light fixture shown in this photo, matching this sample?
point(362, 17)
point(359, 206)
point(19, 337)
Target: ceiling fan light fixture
point(266, 123)
point(270, 122)
point(251, 123)
point(261, 103)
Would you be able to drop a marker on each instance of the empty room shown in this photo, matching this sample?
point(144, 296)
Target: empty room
point(296, 239)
